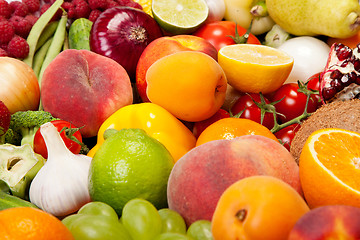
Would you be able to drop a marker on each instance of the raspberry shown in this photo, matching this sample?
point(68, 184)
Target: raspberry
point(94, 15)
point(19, 8)
point(71, 13)
point(21, 25)
point(5, 9)
point(18, 47)
point(7, 31)
point(97, 4)
point(82, 9)
point(31, 18)
point(45, 7)
point(33, 5)
point(3, 53)
point(67, 5)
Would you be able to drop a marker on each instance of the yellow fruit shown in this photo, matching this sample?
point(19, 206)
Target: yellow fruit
point(255, 68)
point(329, 168)
point(146, 5)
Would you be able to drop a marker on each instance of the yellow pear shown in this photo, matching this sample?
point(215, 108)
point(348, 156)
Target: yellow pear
point(333, 18)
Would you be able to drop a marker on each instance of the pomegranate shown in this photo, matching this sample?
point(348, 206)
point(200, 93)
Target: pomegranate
point(341, 77)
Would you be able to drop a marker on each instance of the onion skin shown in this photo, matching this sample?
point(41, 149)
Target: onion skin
point(19, 85)
point(122, 33)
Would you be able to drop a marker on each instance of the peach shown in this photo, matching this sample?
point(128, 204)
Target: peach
point(328, 222)
point(85, 88)
point(164, 46)
point(199, 178)
point(190, 85)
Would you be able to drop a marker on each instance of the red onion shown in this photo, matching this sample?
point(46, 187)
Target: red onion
point(122, 33)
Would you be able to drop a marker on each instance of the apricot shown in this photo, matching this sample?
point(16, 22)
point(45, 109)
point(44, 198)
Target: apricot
point(199, 177)
point(257, 208)
point(189, 84)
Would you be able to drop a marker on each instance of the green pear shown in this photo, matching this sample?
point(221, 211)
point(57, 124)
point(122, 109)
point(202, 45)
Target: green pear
point(333, 18)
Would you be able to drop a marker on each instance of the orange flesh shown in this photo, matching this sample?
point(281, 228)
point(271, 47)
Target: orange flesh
point(340, 154)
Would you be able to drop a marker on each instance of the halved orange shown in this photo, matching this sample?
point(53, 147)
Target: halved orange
point(329, 168)
point(255, 68)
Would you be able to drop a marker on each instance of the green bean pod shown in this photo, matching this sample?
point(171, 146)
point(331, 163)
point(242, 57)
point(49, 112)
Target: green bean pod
point(40, 56)
point(37, 29)
point(47, 33)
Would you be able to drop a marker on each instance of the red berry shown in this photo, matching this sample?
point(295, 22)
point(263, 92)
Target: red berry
point(129, 3)
point(31, 19)
point(19, 9)
point(5, 117)
point(3, 53)
point(94, 15)
point(5, 9)
point(18, 47)
point(33, 5)
point(111, 3)
point(7, 31)
point(21, 25)
point(67, 5)
point(82, 9)
point(97, 4)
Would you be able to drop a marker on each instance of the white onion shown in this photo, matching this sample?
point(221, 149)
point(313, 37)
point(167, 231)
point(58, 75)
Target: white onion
point(310, 56)
point(19, 85)
point(216, 10)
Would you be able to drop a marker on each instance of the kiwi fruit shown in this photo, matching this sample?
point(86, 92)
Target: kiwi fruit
point(337, 114)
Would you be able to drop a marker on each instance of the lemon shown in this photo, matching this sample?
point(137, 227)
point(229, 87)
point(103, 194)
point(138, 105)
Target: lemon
point(180, 16)
point(255, 68)
point(130, 164)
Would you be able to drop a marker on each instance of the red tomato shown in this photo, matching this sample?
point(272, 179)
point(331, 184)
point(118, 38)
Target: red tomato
point(287, 134)
point(251, 111)
point(200, 126)
point(218, 33)
point(293, 102)
point(314, 84)
point(74, 147)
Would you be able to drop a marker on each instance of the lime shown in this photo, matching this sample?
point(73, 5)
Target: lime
point(180, 16)
point(130, 164)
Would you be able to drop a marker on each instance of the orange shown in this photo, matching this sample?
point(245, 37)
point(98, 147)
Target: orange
point(255, 68)
point(329, 168)
point(257, 208)
point(350, 41)
point(229, 128)
point(25, 223)
point(191, 85)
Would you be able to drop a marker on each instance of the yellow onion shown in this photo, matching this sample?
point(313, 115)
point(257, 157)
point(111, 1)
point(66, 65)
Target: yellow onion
point(19, 85)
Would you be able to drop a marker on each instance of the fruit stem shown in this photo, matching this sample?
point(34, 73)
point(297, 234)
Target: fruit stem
point(303, 89)
point(244, 38)
point(241, 214)
point(259, 9)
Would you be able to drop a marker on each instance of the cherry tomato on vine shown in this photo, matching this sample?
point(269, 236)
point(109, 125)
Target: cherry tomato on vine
point(293, 102)
point(74, 147)
point(251, 111)
point(314, 84)
point(287, 134)
point(218, 33)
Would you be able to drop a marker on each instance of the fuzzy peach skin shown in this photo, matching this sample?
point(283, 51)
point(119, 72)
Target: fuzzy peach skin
point(85, 88)
point(198, 179)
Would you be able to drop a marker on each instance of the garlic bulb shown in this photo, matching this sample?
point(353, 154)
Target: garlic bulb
point(61, 185)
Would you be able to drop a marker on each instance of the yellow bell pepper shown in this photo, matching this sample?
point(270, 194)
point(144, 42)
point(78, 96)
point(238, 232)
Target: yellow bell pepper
point(155, 121)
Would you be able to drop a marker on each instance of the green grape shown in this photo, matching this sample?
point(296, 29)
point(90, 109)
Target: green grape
point(96, 227)
point(172, 221)
point(200, 230)
point(98, 208)
point(172, 236)
point(141, 219)
point(68, 221)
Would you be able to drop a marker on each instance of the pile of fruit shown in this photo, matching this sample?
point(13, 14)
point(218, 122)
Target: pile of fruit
point(181, 120)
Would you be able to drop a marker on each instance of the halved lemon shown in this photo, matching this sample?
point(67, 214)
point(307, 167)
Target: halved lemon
point(255, 68)
point(330, 167)
point(180, 16)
